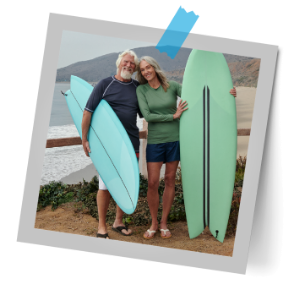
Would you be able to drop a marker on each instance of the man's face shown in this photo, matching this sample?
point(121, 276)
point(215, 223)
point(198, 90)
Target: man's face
point(127, 66)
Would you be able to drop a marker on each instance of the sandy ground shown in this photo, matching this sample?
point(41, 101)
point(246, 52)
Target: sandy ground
point(66, 218)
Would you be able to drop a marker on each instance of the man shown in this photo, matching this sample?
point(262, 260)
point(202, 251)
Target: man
point(120, 93)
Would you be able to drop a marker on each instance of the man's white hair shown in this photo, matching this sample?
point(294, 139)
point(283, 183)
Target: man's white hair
point(130, 52)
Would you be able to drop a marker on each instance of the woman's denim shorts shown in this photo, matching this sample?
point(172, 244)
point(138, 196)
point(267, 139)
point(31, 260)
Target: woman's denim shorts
point(163, 152)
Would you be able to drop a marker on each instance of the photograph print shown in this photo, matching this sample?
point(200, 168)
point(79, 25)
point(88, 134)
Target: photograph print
point(146, 149)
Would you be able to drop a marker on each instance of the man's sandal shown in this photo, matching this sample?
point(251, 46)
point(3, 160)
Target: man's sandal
point(150, 232)
point(165, 237)
point(103, 236)
point(119, 229)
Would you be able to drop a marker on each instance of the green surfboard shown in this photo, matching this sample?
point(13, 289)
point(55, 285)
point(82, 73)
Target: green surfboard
point(208, 143)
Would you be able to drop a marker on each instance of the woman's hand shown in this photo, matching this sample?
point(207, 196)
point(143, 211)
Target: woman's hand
point(180, 109)
point(233, 92)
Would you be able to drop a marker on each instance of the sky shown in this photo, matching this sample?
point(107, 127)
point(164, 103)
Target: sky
point(77, 47)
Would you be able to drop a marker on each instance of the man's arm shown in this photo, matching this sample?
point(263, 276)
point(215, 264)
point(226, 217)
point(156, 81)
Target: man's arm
point(85, 126)
point(90, 107)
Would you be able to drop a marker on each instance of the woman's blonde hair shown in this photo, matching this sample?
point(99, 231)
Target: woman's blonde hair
point(130, 52)
point(159, 72)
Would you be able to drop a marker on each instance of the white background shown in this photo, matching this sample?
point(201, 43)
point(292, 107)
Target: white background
point(8, 147)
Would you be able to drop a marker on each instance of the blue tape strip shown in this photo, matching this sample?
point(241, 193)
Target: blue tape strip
point(183, 21)
point(177, 31)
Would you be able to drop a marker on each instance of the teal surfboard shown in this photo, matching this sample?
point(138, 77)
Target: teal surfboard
point(208, 143)
point(112, 152)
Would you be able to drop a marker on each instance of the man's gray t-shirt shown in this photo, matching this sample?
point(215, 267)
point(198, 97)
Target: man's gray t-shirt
point(121, 96)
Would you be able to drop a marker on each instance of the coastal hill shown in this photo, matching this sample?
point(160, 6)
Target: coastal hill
point(243, 73)
point(244, 70)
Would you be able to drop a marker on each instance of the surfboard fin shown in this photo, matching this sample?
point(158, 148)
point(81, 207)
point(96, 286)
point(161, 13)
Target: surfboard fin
point(217, 232)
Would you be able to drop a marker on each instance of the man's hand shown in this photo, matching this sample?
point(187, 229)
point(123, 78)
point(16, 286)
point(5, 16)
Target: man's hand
point(85, 125)
point(233, 92)
point(86, 148)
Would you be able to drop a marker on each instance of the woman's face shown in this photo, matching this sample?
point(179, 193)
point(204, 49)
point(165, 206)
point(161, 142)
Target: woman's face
point(147, 71)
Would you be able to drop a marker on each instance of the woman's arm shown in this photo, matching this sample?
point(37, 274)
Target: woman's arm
point(182, 104)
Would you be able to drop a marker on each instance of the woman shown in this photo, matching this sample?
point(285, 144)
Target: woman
point(157, 99)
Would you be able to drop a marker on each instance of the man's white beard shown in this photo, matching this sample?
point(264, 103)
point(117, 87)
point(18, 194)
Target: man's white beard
point(126, 75)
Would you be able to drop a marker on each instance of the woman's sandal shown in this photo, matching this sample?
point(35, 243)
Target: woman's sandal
point(165, 237)
point(150, 232)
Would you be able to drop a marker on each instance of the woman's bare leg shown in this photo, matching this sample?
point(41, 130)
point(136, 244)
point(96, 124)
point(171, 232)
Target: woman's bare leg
point(152, 194)
point(169, 194)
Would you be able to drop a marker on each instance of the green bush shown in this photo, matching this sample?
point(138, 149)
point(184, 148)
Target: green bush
point(87, 188)
point(143, 186)
point(54, 194)
point(240, 171)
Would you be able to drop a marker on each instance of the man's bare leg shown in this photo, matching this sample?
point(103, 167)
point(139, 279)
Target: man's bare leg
point(103, 197)
point(119, 221)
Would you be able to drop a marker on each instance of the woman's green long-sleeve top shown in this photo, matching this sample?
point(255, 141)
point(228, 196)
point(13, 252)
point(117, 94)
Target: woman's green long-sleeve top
point(158, 108)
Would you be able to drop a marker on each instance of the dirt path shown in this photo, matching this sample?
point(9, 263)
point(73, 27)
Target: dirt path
point(69, 220)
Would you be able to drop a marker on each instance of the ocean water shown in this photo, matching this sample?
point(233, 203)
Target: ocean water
point(62, 161)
